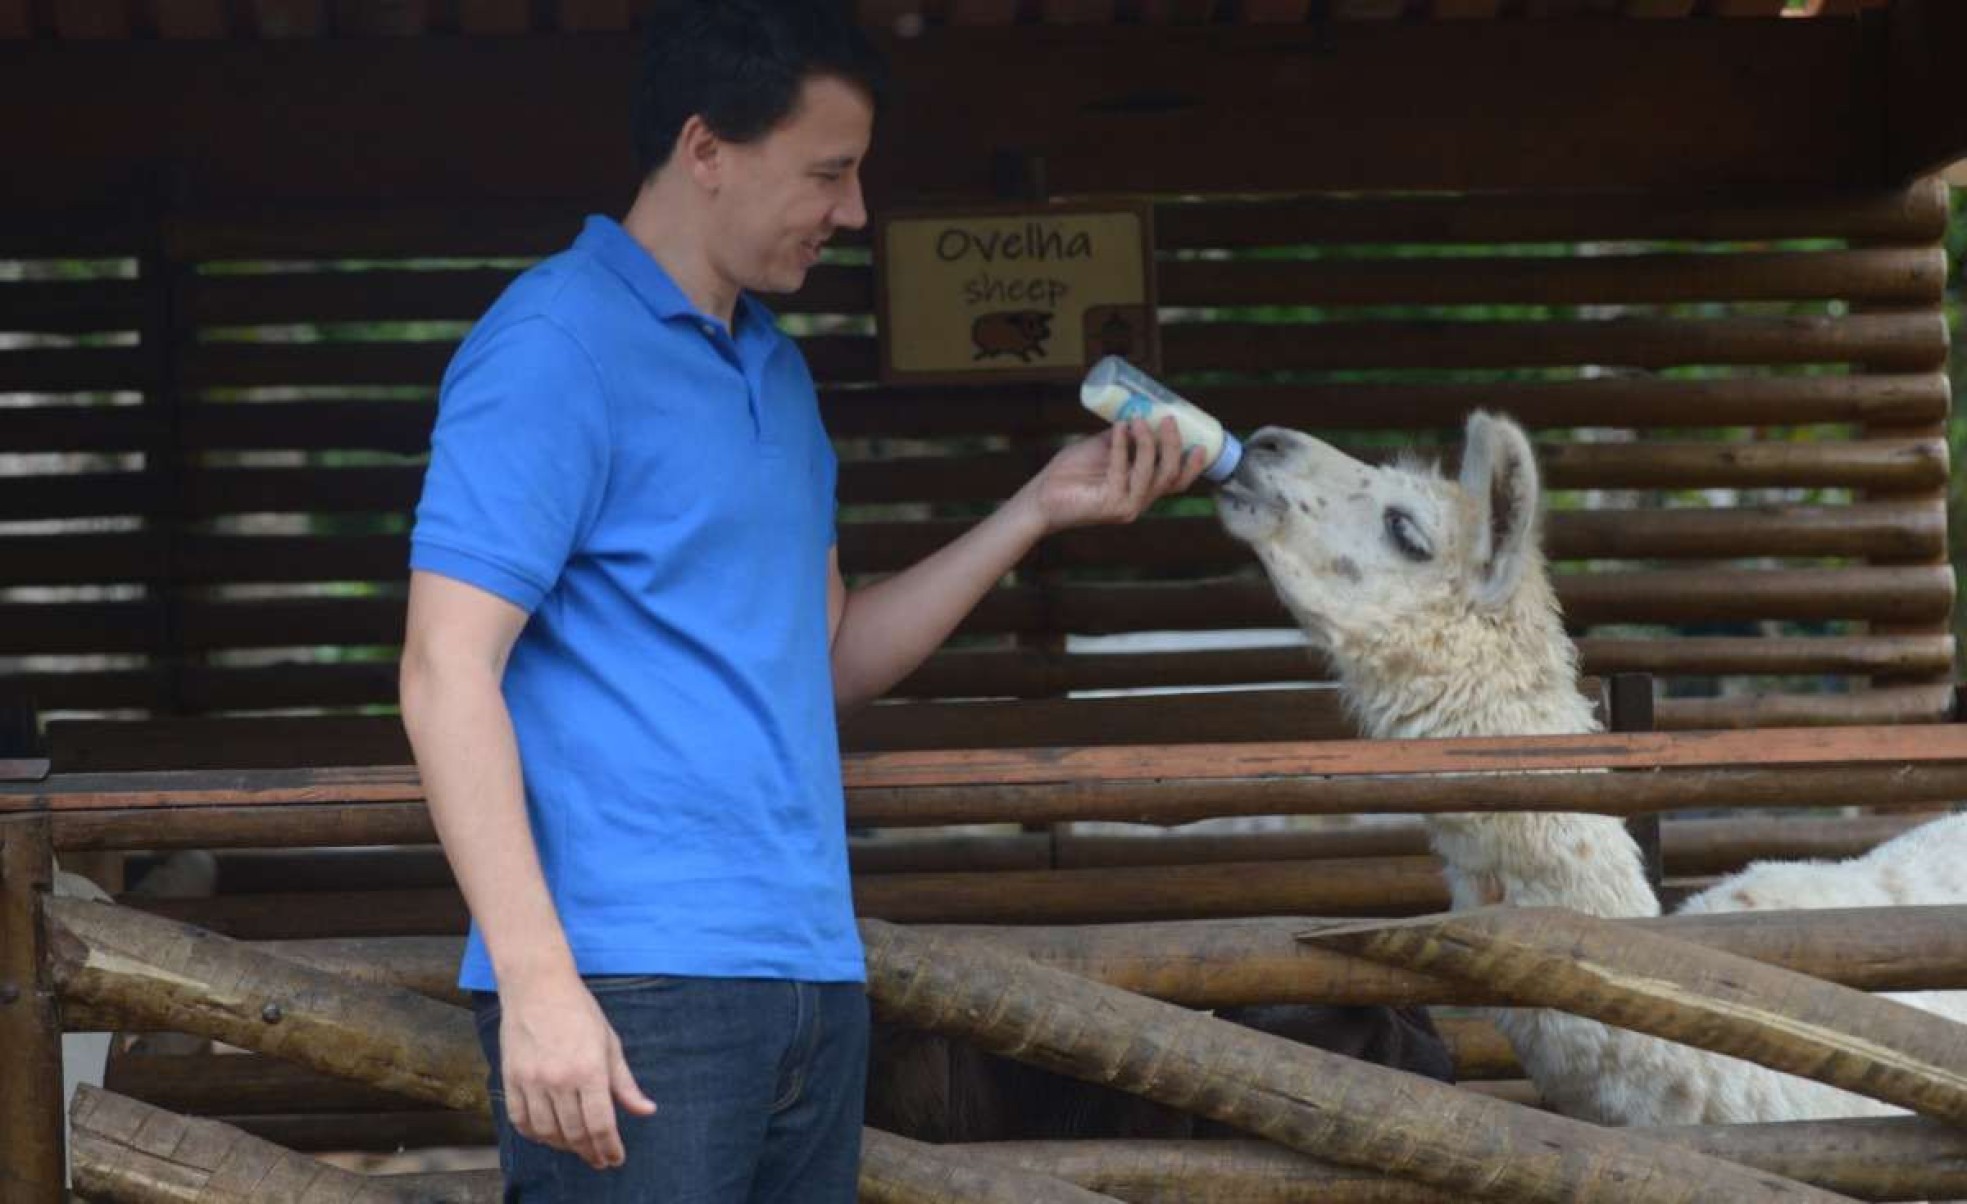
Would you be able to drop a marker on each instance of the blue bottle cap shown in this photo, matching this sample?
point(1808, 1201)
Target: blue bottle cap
point(1226, 460)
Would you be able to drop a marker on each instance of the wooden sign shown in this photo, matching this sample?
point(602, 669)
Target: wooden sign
point(1000, 293)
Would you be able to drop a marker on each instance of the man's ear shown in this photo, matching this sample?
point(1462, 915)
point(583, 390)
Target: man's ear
point(1499, 479)
point(701, 152)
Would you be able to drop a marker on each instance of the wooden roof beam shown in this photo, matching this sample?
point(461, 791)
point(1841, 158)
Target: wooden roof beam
point(1754, 104)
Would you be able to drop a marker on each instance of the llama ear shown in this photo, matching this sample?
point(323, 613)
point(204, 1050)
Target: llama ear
point(1499, 478)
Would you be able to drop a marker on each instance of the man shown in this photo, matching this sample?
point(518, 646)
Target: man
point(628, 637)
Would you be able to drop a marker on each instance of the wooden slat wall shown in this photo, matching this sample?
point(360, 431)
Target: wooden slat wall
point(1737, 402)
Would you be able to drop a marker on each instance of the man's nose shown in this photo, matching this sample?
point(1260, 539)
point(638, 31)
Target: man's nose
point(851, 213)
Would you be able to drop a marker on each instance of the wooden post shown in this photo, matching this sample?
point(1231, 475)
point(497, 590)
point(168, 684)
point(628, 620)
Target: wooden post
point(20, 736)
point(1632, 711)
point(164, 334)
point(1906, 67)
point(24, 756)
point(31, 1163)
point(1925, 128)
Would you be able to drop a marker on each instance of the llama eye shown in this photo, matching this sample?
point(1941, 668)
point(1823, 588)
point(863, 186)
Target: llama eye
point(1407, 536)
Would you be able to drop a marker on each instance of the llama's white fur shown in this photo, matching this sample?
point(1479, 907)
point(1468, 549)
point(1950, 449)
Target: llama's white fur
point(1430, 598)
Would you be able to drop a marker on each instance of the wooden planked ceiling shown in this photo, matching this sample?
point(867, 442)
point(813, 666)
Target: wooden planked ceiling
point(172, 20)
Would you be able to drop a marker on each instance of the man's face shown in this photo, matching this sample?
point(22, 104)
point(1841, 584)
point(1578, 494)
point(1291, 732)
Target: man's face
point(781, 197)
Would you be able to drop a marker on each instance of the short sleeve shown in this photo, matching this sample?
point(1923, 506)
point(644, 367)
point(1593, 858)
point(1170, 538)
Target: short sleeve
point(518, 462)
point(830, 489)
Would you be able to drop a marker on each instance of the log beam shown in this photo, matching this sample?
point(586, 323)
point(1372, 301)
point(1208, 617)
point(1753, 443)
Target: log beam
point(128, 1152)
point(1894, 1158)
point(1135, 1029)
point(896, 1170)
point(1550, 957)
point(1312, 1101)
point(158, 974)
point(1231, 962)
point(1225, 963)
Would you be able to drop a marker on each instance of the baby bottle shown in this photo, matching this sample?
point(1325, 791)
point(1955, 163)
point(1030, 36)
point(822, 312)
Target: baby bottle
point(1117, 391)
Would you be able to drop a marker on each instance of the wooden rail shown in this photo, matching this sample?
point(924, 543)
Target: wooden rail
point(1650, 772)
point(1226, 963)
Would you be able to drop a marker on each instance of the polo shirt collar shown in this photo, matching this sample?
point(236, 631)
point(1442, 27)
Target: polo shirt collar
point(616, 248)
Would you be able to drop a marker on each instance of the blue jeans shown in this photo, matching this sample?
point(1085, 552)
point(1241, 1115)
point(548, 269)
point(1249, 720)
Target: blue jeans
point(758, 1086)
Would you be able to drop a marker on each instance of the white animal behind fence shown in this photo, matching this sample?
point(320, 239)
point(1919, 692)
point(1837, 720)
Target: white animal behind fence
point(1431, 599)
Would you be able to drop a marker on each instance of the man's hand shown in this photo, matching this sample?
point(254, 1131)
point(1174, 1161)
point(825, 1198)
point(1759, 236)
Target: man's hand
point(1112, 477)
point(564, 1071)
point(881, 632)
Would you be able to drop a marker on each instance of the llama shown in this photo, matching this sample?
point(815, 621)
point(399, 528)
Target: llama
point(1430, 598)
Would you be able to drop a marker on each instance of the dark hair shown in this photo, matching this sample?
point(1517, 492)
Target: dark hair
point(739, 64)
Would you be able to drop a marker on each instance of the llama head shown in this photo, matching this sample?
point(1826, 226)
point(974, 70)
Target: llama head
point(1360, 552)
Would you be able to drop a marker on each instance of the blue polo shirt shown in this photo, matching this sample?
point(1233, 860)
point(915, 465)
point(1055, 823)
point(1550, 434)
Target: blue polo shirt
point(656, 492)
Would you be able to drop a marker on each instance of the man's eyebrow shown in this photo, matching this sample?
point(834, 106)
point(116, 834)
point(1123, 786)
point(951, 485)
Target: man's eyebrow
point(838, 162)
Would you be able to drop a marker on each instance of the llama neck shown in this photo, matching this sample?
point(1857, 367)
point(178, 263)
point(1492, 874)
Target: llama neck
point(1588, 863)
point(1458, 673)
point(1513, 674)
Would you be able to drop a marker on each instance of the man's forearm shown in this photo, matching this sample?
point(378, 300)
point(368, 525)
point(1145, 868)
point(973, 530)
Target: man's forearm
point(890, 627)
point(462, 736)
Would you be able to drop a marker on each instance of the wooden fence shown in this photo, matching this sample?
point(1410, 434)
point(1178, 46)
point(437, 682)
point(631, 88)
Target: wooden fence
point(328, 1074)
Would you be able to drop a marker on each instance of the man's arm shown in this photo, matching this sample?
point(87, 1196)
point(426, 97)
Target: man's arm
point(563, 1065)
point(883, 631)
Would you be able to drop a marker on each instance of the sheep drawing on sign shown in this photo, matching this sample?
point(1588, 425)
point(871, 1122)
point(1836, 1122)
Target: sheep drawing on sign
point(1019, 332)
